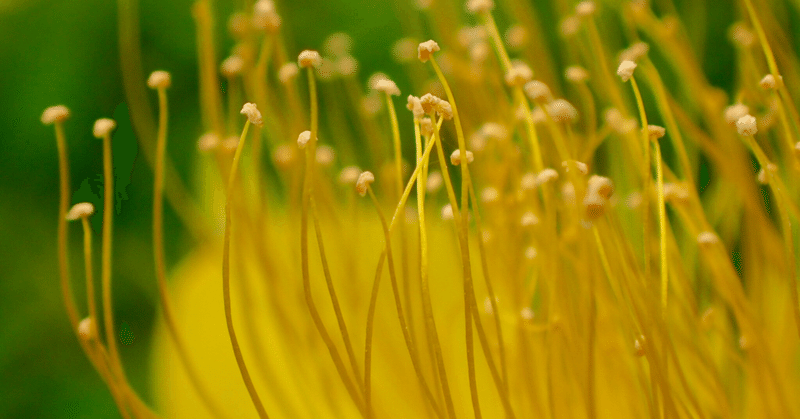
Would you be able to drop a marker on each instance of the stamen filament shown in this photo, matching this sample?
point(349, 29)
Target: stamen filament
point(226, 272)
point(159, 259)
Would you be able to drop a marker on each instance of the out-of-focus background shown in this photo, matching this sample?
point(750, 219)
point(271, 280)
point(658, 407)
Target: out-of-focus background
point(65, 52)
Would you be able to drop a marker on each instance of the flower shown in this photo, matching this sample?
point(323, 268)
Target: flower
point(501, 281)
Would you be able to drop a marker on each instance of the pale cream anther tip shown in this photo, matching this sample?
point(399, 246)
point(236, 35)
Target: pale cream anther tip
point(232, 66)
point(479, 6)
point(80, 210)
point(625, 70)
point(349, 175)
point(253, 114)
point(103, 127)
point(576, 74)
point(447, 212)
point(303, 139)
point(707, 239)
point(585, 8)
point(363, 182)
point(455, 157)
point(426, 50)
point(735, 111)
point(655, 132)
point(519, 74)
point(309, 58)
point(562, 111)
point(747, 125)
point(538, 91)
point(208, 142)
point(387, 86)
point(769, 82)
point(159, 79)
point(53, 114)
point(287, 72)
point(546, 175)
point(86, 329)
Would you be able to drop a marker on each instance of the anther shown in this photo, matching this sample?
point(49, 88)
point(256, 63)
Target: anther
point(766, 172)
point(529, 219)
point(303, 139)
point(707, 239)
point(655, 132)
point(81, 210)
point(287, 72)
point(426, 50)
point(625, 70)
point(455, 157)
point(747, 125)
point(676, 193)
point(86, 329)
point(265, 17)
point(585, 8)
point(639, 345)
point(634, 52)
point(581, 167)
point(363, 182)
point(349, 175)
point(283, 156)
point(103, 127)
point(538, 91)
point(309, 59)
point(734, 112)
point(562, 111)
point(387, 86)
point(253, 115)
point(159, 79)
point(545, 176)
point(576, 74)
point(447, 212)
point(338, 44)
point(207, 142)
point(53, 114)
point(479, 6)
point(325, 155)
point(404, 50)
point(768, 82)
point(519, 74)
point(347, 66)
point(415, 106)
point(232, 66)
point(531, 253)
point(434, 182)
point(516, 37)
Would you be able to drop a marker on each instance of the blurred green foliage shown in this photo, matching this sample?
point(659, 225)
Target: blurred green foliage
point(65, 52)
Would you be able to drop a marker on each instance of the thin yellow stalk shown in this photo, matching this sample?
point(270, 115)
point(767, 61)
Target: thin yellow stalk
point(396, 291)
point(337, 309)
point(427, 311)
point(490, 290)
point(87, 261)
point(141, 115)
point(108, 226)
point(159, 260)
point(662, 224)
point(645, 178)
point(398, 167)
point(63, 207)
point(469, 292)
point(308, 180)
point(463, 239)
point(97, 362)
point(226, 272)
point(788, 239)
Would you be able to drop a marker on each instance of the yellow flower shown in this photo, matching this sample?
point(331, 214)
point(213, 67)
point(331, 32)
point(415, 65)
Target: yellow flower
point(521, 288)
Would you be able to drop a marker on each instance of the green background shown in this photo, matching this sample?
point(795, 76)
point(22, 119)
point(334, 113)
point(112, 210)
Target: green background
point(65, 52)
